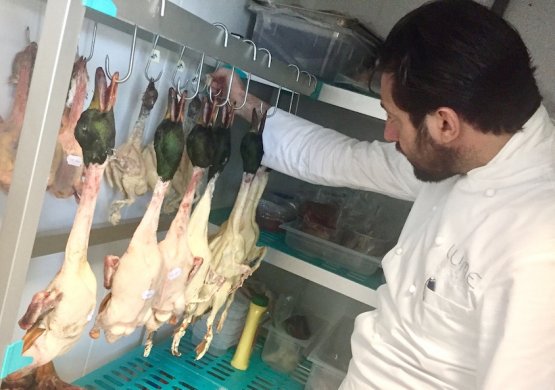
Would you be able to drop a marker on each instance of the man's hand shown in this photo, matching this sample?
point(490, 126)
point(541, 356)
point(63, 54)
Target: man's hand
point(220, 82)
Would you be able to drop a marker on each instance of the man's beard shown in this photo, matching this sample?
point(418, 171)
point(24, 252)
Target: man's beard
point(433, 162)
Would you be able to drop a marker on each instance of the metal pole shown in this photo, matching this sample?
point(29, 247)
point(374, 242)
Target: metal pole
point(52, 72)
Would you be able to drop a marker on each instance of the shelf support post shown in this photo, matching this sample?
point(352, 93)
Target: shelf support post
point(61, 26)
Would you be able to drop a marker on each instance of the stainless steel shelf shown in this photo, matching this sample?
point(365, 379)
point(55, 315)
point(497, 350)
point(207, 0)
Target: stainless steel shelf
point(352, 101)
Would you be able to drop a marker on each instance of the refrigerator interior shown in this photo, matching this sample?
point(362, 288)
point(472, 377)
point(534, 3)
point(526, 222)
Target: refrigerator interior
point(57, 214)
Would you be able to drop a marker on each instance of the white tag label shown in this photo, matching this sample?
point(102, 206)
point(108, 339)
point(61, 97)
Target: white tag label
point(147, 294)
point(175, 273)
point(76, 161)
point(90, 316)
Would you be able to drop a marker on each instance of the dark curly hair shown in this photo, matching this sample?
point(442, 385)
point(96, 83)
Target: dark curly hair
point(459, 54)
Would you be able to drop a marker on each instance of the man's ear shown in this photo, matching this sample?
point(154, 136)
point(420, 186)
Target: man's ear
point(444, 125)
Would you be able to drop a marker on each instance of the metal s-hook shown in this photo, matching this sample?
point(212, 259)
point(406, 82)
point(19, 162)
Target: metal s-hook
point(249, 75)
point(315, 79)
point(307, 75)
point(253, 48)
point(92, 43)
point(228, 90)
point(199, 74)
point(131, 59)
point(298, 70)
point(150, 59)
point(274, 107)
point(293, 92)
point(268, 54)
point(223, 27)
point(175, 84)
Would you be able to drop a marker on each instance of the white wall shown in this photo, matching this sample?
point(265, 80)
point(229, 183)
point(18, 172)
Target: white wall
point(535, 20)
point(233, 14)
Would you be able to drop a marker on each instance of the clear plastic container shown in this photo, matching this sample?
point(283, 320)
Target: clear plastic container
point(329, 251)
point(330, 358)
point(315, 41)
point(273, 210)
point(283, 352)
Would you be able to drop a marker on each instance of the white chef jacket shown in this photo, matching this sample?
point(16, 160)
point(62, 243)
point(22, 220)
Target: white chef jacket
point(487, 238)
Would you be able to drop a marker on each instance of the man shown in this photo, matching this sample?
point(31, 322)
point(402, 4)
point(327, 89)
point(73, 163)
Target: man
point(468, 302)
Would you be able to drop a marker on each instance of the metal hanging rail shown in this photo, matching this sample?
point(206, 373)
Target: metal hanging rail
point(179, 27)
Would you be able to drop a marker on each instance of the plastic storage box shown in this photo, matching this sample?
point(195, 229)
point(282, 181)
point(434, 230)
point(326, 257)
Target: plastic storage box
point(315, 42)
point(283, 352)
point(329, 251)
point(330, 358)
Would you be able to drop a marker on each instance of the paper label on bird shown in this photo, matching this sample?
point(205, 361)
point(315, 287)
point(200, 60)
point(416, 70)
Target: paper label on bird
point(175, 273)
point(147, 294)
point(90, 316)
point(76, 161)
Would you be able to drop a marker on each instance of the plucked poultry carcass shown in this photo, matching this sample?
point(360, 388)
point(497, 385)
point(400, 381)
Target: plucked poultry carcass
point(67, 165)
point(235, 255)
point(179, 262)
point(201, 149)
point(57, 316)
point(127, 170)
point(132, 279)
point(178, 266)
point(10, 129)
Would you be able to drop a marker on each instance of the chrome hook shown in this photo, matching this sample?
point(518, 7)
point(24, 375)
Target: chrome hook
point(315, 79)
point(150, 59)
point(198, 77)
point(253, 48)
point(249, 76)
point(178, 86)
point(246, 94)
point(131, 59)
point(307, 75)
point(268, 54)
point(298, 70)
point(92, 43)
point(174, 83)
point(293, 92)
point(223, 27)
point(274, 107)
point(228, 90)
